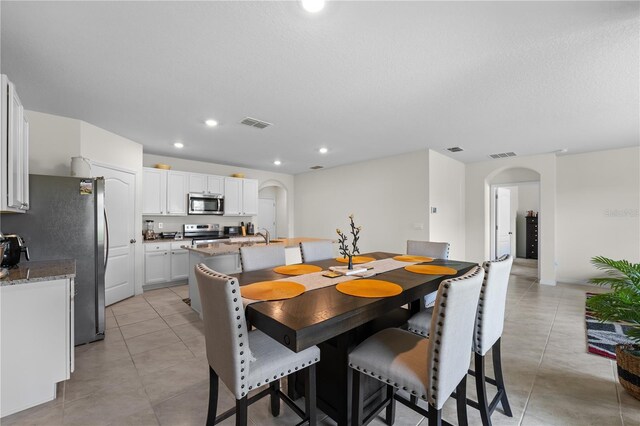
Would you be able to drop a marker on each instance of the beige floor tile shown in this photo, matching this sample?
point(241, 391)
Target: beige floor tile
point(147, 342)
point(111, 348)
point(130, 308)
point(94, 375)
point(554, 409)
point(144, 417)
point(182, 318)
point(108, 406)
point(161, 358)
point(189, 330)
point(174, 380)
point(110, 322)
point(143, 327)
point(134, 317)
point(182, 291)
point(196, 345)
point(166, 308)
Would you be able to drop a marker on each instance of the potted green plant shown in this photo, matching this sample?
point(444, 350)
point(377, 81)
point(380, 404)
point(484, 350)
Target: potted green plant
point(622, 304)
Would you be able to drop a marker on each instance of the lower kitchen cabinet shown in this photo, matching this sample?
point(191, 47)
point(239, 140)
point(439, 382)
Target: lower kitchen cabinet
point(165, 263)
point(36, 342)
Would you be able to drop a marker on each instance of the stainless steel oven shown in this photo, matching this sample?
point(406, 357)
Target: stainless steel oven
point(204, 203)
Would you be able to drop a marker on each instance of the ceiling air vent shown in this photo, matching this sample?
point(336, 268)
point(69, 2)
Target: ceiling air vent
point(455, 149)
point(254, 122)
point(502, 155)
point(316, 167)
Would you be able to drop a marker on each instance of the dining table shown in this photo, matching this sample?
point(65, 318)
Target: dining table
point(337, 323)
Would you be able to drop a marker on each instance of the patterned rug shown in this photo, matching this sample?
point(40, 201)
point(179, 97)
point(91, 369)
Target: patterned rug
point(602, 337)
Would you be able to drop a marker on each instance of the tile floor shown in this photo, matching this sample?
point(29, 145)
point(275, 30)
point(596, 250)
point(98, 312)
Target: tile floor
point(151, 368)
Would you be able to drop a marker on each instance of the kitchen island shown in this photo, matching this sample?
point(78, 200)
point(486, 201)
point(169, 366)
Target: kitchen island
point(224, 257)
point(36, 332)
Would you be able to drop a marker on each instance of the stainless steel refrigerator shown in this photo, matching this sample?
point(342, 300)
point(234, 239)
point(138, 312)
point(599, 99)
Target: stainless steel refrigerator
point(66, 220)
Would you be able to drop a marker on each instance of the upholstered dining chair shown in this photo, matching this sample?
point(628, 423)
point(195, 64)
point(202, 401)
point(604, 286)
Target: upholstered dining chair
point(428, 249)
point(316, 250)
point(427, 368)
point(245, 360)
point(261, 257)
point(487, 335)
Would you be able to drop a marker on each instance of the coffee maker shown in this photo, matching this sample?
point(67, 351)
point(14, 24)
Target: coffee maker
point(14, 246)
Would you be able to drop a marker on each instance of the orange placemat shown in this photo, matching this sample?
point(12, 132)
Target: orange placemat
point(413, 258)
point(356, 259)
point(369, 288)
point(431, 269)
point(272, 290)
point(297, 269)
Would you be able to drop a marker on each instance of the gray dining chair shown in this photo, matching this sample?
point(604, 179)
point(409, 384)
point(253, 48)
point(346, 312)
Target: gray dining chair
point(316, 250)
point(246, 360)
point(487, 335)
point(261, 257)
point(428, 249)
point(426, 368)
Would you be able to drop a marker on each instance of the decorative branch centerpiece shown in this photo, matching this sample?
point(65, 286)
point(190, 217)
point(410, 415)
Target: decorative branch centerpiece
point(349, 251)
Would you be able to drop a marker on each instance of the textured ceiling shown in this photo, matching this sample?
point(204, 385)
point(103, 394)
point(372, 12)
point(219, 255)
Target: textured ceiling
point(365, 79)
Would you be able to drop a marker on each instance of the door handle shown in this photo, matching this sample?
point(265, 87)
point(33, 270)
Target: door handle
point(132, 241)
point(106, 227)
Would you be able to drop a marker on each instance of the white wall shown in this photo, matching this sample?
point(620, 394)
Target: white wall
point(387, 196)
point(478, 176)
point(446, 193)
point(598, 204)
point(53, 140)
point(264, 177)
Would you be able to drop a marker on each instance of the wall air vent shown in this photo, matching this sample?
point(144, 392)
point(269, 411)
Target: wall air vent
point(316, 167)
point(455, 149)
point(502, 155)
point(254, 122)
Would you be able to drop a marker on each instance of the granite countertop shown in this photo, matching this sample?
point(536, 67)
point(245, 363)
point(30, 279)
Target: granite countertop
point(165, 240)
point(40, 270)
point(232, 245)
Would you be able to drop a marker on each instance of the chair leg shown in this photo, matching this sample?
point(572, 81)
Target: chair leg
point(461, 401)
point(310, 394)
point(497, 369)
point(435, 416)
point(213, 397)
point(390, 414)
point(357, 399)
point(481, 389)
point(274, 387)
point(241, 411)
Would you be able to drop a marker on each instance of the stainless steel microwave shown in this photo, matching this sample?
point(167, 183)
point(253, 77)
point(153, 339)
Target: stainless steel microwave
point(204, 203)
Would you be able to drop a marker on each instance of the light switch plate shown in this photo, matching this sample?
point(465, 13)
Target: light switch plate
point(160, 225)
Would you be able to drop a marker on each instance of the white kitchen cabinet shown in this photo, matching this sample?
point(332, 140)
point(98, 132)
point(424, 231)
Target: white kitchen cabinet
point(249, 197)
point(165, 263)
point(240, 197)
point(154, 191)
point(179, 262)
point(177, 184)
point(164, 192)
point(14, 152)
point(36, 342)
point(215, 184)
point(199, 182)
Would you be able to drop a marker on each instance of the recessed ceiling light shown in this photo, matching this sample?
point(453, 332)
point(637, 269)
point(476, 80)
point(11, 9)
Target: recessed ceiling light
point(178, 145)
point(211, 122)
point(277, 162)
point(323, 150)
point(313, 6)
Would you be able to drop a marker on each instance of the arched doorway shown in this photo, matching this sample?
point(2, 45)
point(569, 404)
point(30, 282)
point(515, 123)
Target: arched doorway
point(273, 208)
point(514, 218)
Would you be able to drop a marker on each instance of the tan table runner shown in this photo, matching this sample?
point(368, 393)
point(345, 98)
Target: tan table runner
point(315, 280)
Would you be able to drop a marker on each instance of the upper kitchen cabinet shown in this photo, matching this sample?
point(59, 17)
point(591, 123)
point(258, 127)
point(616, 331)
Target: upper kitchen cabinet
point(240, 197)
point(199, 182)
point(165, 192)
point(14, 152)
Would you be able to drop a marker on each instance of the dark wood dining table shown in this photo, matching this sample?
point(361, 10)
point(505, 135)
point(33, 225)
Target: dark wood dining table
point(337, 323)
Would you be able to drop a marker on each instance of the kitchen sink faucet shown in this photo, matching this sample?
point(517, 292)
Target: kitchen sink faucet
point(266, 235)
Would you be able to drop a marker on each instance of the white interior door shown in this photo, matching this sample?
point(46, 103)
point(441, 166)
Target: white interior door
point(119, 202)
point(503, 222)
point(267, 215)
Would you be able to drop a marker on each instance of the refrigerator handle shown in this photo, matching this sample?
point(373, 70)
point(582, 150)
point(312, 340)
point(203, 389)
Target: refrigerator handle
point(106, 227)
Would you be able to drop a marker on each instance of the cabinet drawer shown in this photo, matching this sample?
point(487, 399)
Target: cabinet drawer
point(178, 245)
point(150, 247)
